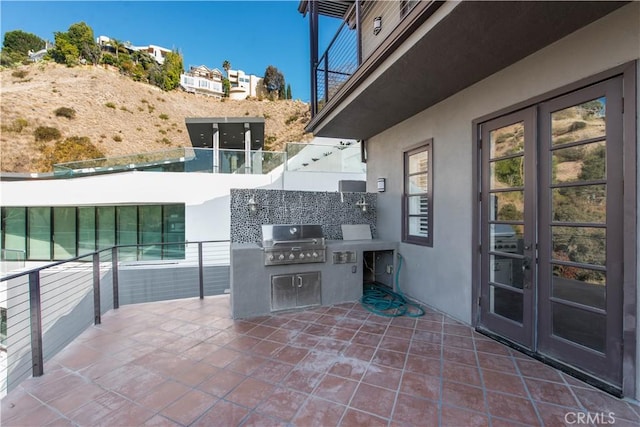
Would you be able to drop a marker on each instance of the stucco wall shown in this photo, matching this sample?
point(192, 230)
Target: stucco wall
point(441, 276)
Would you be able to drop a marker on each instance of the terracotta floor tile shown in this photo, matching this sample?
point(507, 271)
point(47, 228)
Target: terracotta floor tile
point(383, 376)
point(457, 341)
point(163, 395)
point(550, 392)
point(375, 400)
point(160, 421)
point(76, 398)
point(304, 380)
point(504, 364)
point(423, 386)
point(61, 386)
point(282, 404)
point(464, 396)
point(354, 418)
point(138, 386)
point(597, 401)
point(360, 352)
point(505, 383)
point(492, 347)
point(456, 417)
point(259, 420)
point(94, 411)
point(348, 367)
point(282, 335)
point(17, 403)
point(243, 343)
point(250, 393)
point(222, 414)
point(431, 337)
point(336, 389)
point(246, 364)
point(365, 338)
point(128, 414)
point(425, 349)
point(389, 358)
point(221, 383)
point(412, 410)
point(330, 345)
point(291, 354)
point(200, 351)
point(221, 358)
point(319, 361)
point(461, 373)
point(428, 325)
point(267, 348)
point(534, 369)
point(189, 407)
point(396, 344)
point(459, 355)
point(272, 371)
point(318, 412)
point(554, 415)
point(511, 407)
point(38, 416)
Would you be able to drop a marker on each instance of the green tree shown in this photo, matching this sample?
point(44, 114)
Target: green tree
point(226, 65)
point(75, 45)
point(117, 46)
point(273, 81)
point(17, 44)
point(289, 92)
point(226, 86)
point(594, 164)
point(171, 70)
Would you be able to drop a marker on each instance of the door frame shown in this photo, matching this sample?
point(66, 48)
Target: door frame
point(628, 72)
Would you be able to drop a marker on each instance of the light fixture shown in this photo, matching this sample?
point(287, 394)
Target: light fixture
point(362, 204)
point(377, 25)
point(382, 185)
point(252, 205)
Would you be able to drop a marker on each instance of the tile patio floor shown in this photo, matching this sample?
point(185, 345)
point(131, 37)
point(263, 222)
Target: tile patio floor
point(186, 363)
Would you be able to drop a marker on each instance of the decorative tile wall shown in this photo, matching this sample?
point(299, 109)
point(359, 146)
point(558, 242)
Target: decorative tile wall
point(329, 209)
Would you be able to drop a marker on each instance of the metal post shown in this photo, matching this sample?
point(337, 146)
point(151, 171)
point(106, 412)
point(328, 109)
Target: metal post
point(312, 8)
point(114, 275)
point(96, 289)
point(37, 358)
point(359, 33)
point(200, 270)
point(326, 76)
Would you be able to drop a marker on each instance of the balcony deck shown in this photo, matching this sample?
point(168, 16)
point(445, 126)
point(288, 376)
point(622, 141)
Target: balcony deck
point(186, 362)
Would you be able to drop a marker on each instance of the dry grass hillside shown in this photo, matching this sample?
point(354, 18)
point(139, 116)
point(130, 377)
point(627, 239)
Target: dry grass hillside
point(118, 115)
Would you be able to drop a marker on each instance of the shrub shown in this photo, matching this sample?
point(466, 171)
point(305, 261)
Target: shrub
point(110, 105)
point(71, 149)
point(45, 133)
point(292, 118)
point(163, 116)
point(162, 131)
point(117, 138)
point(16, 126)
point(151, 108)
point(123, 108)
point(19, 74)
point(165, 141)
point(67, 112)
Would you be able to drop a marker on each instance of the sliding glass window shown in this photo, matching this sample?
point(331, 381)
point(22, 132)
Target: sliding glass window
point(150, 224)
point(106, 217)
point(39, 230)
point(86, 229)
point(64, 233)
point(127, 231)
point(14, 223)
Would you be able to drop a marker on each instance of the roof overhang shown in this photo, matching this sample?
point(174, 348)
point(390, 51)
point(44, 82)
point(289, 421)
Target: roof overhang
point(231, 131)
point(331, 8)
point(474, 40)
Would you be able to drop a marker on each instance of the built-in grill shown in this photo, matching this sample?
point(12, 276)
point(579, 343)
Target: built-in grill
point(293, 244)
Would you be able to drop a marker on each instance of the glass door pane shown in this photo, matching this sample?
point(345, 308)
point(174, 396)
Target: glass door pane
point(39, 240)
point(15, 238)
point(64, 233)
point(150, 224)
point(174, 231)
point(86, 229)
point(127, 231)
point(106, 216)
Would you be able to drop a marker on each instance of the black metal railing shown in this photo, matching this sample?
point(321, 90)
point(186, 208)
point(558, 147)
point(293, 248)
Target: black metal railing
point(49, 306)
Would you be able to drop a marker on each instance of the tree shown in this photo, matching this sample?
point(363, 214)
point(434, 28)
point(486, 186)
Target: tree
point(75, 45)
point(289, 92)
point(226, 65)
point(171, 70)
point(226, 87)
point(117, 46)
point(17, 44)
point(273, 80)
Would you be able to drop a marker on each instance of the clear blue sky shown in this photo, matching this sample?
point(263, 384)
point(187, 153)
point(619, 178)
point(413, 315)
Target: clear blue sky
point(249, 34)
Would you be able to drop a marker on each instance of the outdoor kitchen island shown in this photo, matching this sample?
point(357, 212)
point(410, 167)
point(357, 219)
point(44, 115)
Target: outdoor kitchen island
point(258, 289)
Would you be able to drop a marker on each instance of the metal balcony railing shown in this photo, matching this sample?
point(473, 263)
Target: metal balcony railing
point(365, 27)
point(45, 308)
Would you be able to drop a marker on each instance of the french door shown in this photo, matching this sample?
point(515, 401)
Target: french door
point(551, 229)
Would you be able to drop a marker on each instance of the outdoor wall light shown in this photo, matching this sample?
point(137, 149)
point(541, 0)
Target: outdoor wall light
point(252, 205)
point(362, 204)
point(377, 25)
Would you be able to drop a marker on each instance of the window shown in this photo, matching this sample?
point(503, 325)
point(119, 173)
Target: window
point(417, 206)
point(406, 6)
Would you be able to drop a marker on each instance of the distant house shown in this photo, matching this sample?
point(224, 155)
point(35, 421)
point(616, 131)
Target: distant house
point(244, 85)
point(203, 80)
point(157, 52)
point(37, 56)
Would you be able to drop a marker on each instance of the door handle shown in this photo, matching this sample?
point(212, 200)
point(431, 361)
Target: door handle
point(299, 281)
point(526, 266)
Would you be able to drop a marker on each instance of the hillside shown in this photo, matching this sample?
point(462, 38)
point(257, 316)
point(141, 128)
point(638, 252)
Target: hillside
point(118, 115)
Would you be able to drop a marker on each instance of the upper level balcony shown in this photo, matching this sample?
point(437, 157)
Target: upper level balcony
point(390, 60)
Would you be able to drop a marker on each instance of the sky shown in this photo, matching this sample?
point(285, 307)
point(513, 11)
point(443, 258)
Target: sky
point(251, 35)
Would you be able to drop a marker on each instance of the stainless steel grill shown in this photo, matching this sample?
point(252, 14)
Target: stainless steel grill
point(293, 244)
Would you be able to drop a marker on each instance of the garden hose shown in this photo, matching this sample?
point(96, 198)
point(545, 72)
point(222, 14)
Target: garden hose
point(382, 301)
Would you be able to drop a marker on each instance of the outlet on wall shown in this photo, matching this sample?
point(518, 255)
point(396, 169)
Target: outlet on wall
point(389, 269)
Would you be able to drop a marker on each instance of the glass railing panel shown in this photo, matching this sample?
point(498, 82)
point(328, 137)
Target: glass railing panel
point(342, 157)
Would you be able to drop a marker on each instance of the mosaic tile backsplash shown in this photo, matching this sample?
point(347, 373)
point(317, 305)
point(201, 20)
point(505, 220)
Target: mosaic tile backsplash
point(329, 209)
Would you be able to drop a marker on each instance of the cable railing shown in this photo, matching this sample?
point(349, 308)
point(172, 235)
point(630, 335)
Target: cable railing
point(365, 27)
point(46, 308)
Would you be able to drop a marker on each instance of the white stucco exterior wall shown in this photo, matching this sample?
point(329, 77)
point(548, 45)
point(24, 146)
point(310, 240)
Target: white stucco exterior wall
point(442, 276)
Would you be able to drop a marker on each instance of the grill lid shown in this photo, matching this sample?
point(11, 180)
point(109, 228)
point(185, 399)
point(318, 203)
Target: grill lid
point(287, 234)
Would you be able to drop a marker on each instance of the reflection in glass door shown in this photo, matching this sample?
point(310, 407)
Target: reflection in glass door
point(580, 320)
point(551, 229)
point(508, 194)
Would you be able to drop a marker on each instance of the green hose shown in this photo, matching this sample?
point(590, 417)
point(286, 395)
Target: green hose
point(382, 301)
